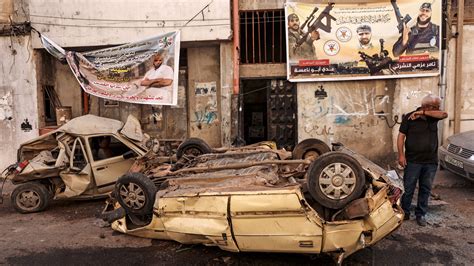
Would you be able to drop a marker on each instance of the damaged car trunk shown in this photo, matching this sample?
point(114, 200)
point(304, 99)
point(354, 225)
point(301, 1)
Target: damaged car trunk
point(258, 200)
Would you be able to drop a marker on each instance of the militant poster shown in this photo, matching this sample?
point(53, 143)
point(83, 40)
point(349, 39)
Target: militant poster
point(143, 72)
point(355, 41)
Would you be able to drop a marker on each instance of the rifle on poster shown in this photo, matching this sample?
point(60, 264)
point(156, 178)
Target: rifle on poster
point(400, 19)
point(313, 23)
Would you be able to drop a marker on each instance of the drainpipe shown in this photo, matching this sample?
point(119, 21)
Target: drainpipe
point(236, 61)
point(236, 31)
point(458, 69)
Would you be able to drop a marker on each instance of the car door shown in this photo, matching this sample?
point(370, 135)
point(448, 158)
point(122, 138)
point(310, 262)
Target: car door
point(77, 177)
point(111, 162)
point(275, 221)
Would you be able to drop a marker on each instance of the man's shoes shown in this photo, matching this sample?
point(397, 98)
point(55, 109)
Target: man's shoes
point(421, 221)
point(406, 217)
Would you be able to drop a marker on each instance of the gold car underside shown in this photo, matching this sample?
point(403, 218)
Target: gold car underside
point(261, 209)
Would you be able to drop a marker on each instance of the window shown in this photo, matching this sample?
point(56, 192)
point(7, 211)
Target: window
point(104, 147)
point(262, 37)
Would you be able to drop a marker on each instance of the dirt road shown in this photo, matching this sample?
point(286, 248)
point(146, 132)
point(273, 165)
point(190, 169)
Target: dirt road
point(72, 233)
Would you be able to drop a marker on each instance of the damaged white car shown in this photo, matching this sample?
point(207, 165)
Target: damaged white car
point(80, 160)
point(258, 200)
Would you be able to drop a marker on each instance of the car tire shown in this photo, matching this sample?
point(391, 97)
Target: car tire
point(135, 193)
point(310, 149)
point(30, 197)
point(335, 179)
point(193, 146)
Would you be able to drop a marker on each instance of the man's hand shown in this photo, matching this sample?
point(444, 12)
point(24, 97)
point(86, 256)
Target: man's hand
point(402, 161)
point(315, 35)
point(415, 115)
point(405, 34)
point(401, 154)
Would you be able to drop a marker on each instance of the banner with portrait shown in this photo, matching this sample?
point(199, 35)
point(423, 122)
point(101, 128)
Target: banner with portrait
point(355, 41)
point(144, 72)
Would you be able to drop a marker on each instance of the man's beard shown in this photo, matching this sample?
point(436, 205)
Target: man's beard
point(423, 23)
point(364, 41)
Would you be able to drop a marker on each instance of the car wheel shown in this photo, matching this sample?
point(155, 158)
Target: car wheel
point(310, 149)
point(335, 179)
point(30, 197)
point(135, 193)
point(193, 146)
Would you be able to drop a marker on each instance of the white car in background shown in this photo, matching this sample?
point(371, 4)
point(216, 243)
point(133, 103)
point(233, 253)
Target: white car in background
point(457, 154)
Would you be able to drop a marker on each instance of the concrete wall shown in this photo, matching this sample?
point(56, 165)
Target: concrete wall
point(6, 7)
point(204, 105)
point(17, 96)
point(362, 115)
point(76, 23)
point(467, 110)
point(17, 85)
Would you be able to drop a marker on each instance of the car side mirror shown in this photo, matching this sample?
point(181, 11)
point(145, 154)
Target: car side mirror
point(129, 154)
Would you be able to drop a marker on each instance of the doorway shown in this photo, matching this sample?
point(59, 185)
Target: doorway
point(269, 112)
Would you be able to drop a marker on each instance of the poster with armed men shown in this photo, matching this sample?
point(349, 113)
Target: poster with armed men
point(358, 41)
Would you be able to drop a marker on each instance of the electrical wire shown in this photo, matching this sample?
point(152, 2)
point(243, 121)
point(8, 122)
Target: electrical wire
point(119, 20)
point(125, 27)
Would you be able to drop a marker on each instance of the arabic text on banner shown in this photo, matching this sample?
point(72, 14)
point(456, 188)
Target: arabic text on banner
point(389, 39)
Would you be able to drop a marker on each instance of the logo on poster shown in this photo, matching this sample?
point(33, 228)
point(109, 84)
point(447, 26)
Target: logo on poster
point(331, 47)
point(344, 34)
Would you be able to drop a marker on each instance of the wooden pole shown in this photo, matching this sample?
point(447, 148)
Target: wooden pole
point(458, 70)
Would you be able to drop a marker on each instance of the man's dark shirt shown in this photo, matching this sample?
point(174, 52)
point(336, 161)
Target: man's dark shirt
point(421, 143)
point(420, 40)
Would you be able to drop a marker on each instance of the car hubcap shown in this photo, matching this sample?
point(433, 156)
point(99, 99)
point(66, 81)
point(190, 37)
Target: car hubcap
point(133, 196)
point(28, 199)
point(337, 181)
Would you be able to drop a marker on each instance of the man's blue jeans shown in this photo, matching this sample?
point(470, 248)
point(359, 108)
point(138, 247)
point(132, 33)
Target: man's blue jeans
point(424, 174)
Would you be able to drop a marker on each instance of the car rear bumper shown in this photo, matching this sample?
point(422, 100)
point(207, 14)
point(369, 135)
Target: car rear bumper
point(468, 166)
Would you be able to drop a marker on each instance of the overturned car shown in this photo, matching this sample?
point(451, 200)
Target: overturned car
point(258, 200)
point(80, 160)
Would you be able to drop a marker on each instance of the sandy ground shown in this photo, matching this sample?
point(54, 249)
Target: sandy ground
point(70, 232)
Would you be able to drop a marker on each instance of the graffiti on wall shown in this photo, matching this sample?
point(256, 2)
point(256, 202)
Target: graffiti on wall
point(206, 104)
point(355, 111)
point(342, 105)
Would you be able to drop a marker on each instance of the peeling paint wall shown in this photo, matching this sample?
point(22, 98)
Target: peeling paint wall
point(18, 108)
point(204, 101)
point(357, 114)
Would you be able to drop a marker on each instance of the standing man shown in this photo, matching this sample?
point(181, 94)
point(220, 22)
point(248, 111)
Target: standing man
point(419, 133)
point(423, 37)
point(364, 33)
point(158, 80)
point(306, 50)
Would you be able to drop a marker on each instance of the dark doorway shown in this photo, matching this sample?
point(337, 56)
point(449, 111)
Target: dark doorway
point(269, 111)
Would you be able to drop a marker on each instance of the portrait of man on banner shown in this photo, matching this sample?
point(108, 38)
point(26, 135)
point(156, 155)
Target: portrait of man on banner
point(144, 72)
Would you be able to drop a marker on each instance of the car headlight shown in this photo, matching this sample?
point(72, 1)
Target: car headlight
point(471, 158)
point(446, 144)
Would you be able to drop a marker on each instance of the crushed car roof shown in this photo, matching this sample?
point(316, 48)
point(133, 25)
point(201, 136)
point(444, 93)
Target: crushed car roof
point(91, 124)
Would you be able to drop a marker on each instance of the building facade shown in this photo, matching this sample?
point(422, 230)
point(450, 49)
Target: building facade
point(267, 106)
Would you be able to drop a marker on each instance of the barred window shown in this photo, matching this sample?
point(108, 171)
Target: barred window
point(262, 36)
